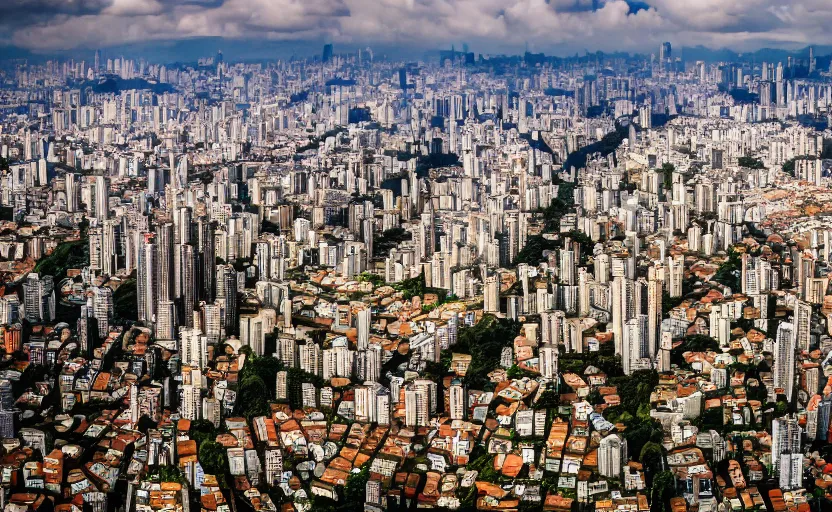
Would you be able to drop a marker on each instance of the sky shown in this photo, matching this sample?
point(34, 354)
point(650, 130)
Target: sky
point(558, 27)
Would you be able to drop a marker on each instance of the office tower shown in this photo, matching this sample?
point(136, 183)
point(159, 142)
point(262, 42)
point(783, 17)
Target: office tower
point(166, 320)
point(567, 268)
point(811, 60)
point(191, 405)
point(111, 247)
point(96, 242)
point(551, 327)
point(803, 325)
point(255, 328)
point(282, 385)
point(326, 56)
point(193, 348)
point(785, 439)
point(229, 297)
point(164, 264)
point(621, 297)
point(263, 259)
point(102, 308)
point(635, 343)
point(338, 361)
point(146, 285)
point(416, 410)
point(665, 52)
point(675, 271)
point(102, 198)
point(363, 322)
point(366, 406)
point(548, 356)
point(186, 285)
point(456, 401)
point(612, 454)
point(491, 295)
point(310, 358)
point(9, 309)
point(39, 298)
point(211, 321)
point(206, 262)
point(784, 349)
point(654, 312)
point(71, 188)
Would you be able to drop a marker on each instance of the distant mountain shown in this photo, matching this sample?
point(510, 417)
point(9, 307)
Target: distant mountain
point(764, 54)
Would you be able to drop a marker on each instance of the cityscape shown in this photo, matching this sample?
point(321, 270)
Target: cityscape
point(467, 280)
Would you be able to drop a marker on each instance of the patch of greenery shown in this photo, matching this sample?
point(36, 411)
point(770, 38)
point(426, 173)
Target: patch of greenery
point(415, 286)
point(66, 255)
point(789, 165)
point(532, 252)
point(213, 457)
point(254, 397)
point(750, 162)
point(126, 302)
point(485, 342)
point(354, 488)
point(728, 273)
point(368, 277)
point(389, 239)
point(667, 175)
point(608, 144)
point(662, 490)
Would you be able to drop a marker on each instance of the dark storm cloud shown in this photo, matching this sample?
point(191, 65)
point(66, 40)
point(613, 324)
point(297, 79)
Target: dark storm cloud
point(26, 12)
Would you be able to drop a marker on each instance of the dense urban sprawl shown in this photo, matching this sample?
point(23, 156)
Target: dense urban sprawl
point(474, 282)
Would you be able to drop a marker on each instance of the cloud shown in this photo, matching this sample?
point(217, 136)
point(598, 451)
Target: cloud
point(556, 26)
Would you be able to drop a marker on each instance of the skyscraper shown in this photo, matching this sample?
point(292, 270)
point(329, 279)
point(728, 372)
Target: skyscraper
point(665, 51)
point(326, 56)
point(784, 348)
point(39, 298)
point(146, 285)
point(612, 453)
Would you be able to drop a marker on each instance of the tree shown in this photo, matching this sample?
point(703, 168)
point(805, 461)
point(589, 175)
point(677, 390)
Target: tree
point(652, 458)
point(485, 342)
point(254, 397)
point(667, 174)
point(126, 302)
point(201, 431)
point(355, 488)
point(640, 433)
point(700, 343)
point(750, 162)
point(412, 287)
point(213, 457)
point(664, 488)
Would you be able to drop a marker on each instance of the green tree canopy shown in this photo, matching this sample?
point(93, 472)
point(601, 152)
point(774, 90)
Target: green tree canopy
point(213, 457)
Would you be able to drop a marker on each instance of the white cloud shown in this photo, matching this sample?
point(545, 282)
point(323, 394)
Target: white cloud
point(555, 26)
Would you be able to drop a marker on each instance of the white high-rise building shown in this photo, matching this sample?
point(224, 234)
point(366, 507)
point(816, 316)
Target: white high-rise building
point(193, 348)
point(491, 295)
point(785, 442)
point(39, 298)
point(363, 322)
point(456, 401)
point(784, 349)
point(416, 406)
point(612, 454)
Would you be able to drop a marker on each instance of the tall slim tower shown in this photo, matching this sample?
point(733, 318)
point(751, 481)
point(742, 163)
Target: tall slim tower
point(784, 347)
point(146, 287)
